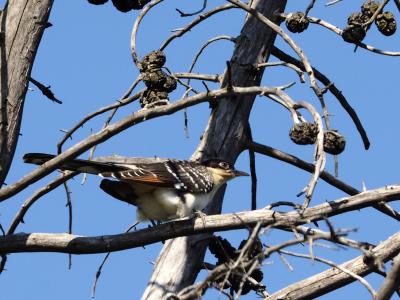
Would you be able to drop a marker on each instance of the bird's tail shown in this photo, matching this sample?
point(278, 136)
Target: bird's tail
point(81, 165)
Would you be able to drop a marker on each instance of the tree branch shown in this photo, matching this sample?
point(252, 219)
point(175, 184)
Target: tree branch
point(333, 279)
point(66, 243)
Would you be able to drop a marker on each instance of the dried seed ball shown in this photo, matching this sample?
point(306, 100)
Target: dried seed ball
point(155, 79)
point(353, 34)
point(138, 4)
point(369, 7)
point(170, 84)
point(122, 5)
point(151, 98)
point(334, 143)
point(153, 60)
point(255, 248)
point(221, 249)
point(357, 18)
point(297, 22)
point(304, 133)
point(386, 23)
point(97, 2)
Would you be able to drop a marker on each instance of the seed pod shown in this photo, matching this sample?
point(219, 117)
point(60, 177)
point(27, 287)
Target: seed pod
point(221, 249)
point(153, 60)
point(97, 2)
point(122, 5)
point(138, 4)
point(155, 79)
point(152, 98)
point(369, 7)
point(334, 143)
point(297, 22)
point(386, 23)
point(357, 18)
point(170, 84)
point(353, 34)
point(304, 133)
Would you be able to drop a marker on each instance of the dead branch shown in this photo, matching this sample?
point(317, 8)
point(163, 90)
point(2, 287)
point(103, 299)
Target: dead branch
point(66, 243)
point(327, 177)
point(115, 128)
point(327, 281)
point(391, 282)
point(332, 88)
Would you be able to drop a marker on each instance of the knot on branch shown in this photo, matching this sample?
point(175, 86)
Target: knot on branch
point(158, 83)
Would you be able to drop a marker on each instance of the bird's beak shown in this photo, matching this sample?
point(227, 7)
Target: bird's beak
point(237, 173)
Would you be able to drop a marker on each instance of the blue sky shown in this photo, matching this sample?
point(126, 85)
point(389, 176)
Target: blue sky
point(85, 57)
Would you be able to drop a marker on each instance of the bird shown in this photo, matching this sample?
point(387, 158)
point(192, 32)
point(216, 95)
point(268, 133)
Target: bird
point(161, 190)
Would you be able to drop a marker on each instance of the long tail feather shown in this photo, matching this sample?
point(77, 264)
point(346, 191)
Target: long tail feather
point(84, 166)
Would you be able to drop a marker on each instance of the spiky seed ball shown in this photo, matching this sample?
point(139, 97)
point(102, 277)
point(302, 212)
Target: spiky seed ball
point(221, 249)
point(255, 248)
point(155, 79)
point(369, 7)
point(152, 98)
point(334, 142)
point(304, 133)
point(170, 84)
point(122, 5)
point(138, 4)
point(386, 23)
point(297, 22)
point(357, 18)
point(97, 2)
point(153, 60)
point(353, 34)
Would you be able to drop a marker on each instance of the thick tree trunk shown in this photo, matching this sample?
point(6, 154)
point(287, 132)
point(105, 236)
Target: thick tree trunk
point(22, 26)
point(225, 137)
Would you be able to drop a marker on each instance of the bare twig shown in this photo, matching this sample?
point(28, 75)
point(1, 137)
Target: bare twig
point(332, 88)
point(327, 177)
point(286, 64)
point(193, 13)
point(119, 103)
point(135, 29)
point(196, 21)
point(332, 279)
point(69, 206)
point(332, 2)
point(36, 196)
point(309, 7)
point(334, 265)
point(98, 273)
point(319, 156)
point(45, 90)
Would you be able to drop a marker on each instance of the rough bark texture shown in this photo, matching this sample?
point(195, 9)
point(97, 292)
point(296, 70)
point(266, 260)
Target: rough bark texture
point(22, 26)
point(225, 137)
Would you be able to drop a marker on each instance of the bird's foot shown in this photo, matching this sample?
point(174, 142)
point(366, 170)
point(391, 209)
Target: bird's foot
point(200, 214)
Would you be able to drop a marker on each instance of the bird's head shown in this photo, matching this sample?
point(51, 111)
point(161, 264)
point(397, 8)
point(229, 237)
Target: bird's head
point(222, 171)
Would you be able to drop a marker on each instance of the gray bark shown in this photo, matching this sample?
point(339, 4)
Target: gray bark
point(225, 137)
point(22, 26)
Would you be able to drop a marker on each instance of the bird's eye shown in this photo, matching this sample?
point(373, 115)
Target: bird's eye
point(224, 165)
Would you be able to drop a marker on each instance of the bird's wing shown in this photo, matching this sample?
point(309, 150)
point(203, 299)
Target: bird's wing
point(156, 174)
point(185, 176)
